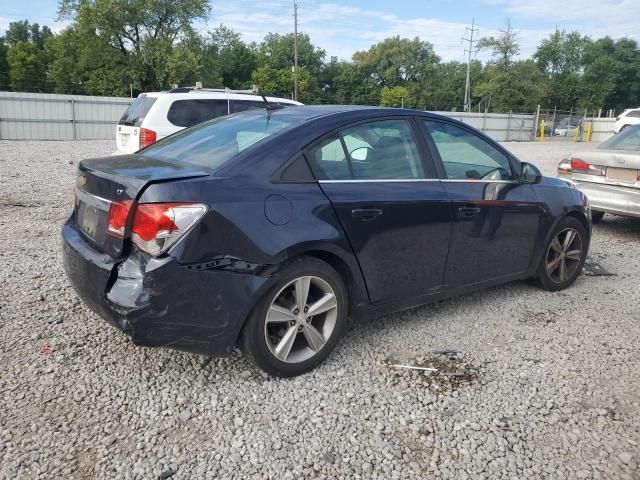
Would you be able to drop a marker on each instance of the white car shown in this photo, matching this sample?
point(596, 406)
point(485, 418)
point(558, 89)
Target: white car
point(155, 115)
point(631, 116)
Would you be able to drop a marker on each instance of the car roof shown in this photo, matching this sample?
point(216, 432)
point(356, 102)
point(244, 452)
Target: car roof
point(311, 112)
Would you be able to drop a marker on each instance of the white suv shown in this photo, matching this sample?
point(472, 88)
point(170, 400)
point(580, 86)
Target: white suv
point(153, 116)
point(631, 116)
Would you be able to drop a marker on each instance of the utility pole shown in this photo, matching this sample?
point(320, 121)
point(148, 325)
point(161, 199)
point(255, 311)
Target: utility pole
point(467, 87)
point(295, 50)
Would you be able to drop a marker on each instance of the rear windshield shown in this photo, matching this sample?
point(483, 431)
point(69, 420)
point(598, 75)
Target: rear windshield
point(213, 143)
point(627, 139)
point(137, 111)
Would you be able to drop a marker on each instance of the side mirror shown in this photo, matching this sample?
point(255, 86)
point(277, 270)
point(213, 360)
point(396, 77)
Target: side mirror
point(530, 173)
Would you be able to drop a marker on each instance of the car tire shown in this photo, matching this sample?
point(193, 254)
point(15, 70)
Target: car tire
point(561, 263)
point(279, 316)
point(596, 216)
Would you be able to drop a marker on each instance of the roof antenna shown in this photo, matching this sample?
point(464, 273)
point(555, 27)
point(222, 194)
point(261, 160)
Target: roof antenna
point(268, 106)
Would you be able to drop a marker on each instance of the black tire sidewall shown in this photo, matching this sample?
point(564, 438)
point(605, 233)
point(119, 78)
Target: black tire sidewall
point(544, 279)
point(253, 340)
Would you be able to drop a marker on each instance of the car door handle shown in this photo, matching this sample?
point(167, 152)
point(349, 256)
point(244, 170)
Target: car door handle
point(468, 212)
point(366, 214)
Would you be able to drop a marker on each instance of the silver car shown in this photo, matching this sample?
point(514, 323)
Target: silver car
point(609, 175)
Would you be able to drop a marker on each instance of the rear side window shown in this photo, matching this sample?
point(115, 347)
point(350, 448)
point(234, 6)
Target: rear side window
point(381, 150)
point(467, 156)
point(186, 113)
point(330, 160)
point(634, 113)
point(136, 112)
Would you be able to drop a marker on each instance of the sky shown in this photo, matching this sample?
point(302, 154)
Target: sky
point(343, 27)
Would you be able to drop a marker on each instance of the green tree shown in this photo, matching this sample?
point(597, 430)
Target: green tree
point(445, 89)
point(561, 57)
point(504, 47)
point(397, 61)
point(27, 67)
point(277, 51)
point(343, 82)
point(228, 61)
point(611, 74)
point(133, 41)
point(4, 65)
point(275, 60)
point(518, 88)
point(279, 82)
point(23, 58)
point(509, 85)
point(396, 97)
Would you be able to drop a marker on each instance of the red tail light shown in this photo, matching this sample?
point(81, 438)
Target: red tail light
point(147, 137)
point(157, 226)
point(118, 213)
point(580, 166)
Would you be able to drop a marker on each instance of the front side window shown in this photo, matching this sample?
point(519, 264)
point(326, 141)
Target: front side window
point(186, 113)
point(467, 156)
point(381, 150)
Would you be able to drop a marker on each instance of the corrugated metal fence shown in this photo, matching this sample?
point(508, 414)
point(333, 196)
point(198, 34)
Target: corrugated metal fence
point(602, 128)
point(516, 127)
point(41, 116)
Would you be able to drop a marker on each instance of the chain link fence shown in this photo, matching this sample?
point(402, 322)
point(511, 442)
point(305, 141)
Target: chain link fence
point(575, 125)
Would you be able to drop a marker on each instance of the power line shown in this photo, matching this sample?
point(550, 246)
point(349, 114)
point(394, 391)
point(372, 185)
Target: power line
point(467, 87)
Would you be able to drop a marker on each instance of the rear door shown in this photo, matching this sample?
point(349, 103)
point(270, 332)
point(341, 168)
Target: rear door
point(496, 219)
point(128, 129)
point(392, 207)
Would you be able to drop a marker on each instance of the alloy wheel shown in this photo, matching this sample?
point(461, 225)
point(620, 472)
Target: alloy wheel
point(564, 255)
point(301, 319)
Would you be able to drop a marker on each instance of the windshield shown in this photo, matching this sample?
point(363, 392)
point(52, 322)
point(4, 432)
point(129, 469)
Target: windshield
point(137, 111)
point(213, 143)
point(627, 139)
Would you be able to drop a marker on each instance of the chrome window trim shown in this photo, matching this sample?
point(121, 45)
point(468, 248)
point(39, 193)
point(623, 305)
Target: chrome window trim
point(454, 180)
point(93, 200)
point(406, 180)
point(400, 180)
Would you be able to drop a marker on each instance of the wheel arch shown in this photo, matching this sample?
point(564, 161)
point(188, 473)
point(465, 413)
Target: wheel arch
point(347, 269)
point(575, 213)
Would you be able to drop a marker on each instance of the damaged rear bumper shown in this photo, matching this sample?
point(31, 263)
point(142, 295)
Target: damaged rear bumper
point(158, 302)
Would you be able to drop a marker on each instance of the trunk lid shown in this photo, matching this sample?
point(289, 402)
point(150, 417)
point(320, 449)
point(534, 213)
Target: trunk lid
point(103, 181)
point(622, 167)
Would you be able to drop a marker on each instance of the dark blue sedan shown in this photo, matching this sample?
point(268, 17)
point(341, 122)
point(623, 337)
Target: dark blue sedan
point(270, 228)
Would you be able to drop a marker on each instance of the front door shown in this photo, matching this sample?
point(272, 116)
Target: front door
point(496, 219)
point(392, 207)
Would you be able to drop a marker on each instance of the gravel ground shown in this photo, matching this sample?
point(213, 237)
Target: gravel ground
point(531, 384)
